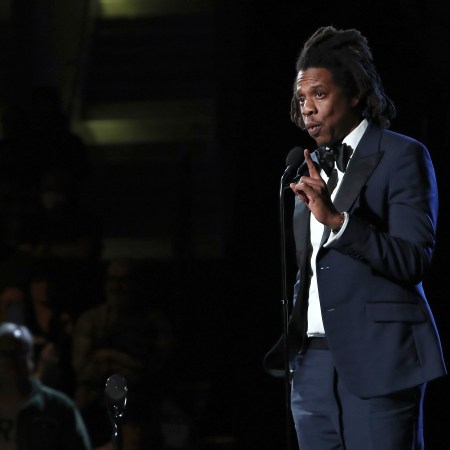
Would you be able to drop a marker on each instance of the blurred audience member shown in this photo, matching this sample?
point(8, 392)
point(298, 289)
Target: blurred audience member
point(33, 416)
point(36, 140)
point(18, 158)
point(51, 325)
point(123, 335)
point(59, 227)
point(12, 305)
point(57, 146)
point(176, 425)
point(42, 164)
point(63, 237)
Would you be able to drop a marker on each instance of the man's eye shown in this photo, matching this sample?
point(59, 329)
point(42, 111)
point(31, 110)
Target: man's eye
point(319, 94)
point(301, 100)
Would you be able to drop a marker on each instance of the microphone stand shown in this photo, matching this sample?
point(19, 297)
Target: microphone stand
point(285, 310)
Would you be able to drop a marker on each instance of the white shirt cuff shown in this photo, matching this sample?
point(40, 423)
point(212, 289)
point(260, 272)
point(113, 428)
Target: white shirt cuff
point(336, 236)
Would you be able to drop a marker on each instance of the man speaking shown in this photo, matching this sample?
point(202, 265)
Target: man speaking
point(362, 339)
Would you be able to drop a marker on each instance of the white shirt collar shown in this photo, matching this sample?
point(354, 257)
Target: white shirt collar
point(355, 136)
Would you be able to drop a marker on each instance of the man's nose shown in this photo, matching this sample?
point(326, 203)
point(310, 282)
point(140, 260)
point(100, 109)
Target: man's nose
point(309, 107)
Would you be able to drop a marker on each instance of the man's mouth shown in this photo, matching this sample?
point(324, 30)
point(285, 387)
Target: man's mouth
point(313, 128)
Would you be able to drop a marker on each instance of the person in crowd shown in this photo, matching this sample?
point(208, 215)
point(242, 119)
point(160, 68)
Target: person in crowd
point(123, 335)
point(32, 415)
point(12, 304)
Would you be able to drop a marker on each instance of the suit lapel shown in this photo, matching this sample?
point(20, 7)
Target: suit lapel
point(366, 157)
point(359, 170)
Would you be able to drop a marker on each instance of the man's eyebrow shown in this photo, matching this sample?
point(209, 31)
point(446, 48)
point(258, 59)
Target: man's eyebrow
point(311, 87)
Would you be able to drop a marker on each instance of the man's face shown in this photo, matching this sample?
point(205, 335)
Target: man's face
point(117, 283)
point(14, 358)
point(328, 114)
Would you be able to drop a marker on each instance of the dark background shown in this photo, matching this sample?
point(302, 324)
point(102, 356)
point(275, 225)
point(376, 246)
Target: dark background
point(225, 304)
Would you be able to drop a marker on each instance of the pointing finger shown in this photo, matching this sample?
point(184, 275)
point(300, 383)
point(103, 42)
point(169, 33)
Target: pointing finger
point(313, 173)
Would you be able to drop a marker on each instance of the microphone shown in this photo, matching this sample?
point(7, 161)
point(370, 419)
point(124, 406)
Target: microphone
point(293, 160)
point(116, 394)
point(116, 400)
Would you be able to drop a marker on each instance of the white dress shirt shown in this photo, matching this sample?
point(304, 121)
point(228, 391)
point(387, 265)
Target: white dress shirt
point(315, 323)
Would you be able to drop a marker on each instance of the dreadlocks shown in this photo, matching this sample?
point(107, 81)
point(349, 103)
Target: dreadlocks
point(346, 54)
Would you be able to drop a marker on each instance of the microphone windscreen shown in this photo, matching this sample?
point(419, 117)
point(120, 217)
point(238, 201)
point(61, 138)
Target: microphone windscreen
point(295, 157)
point(116, 387)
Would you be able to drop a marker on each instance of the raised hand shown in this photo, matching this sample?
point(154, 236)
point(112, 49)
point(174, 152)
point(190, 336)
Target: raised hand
point(314, 193)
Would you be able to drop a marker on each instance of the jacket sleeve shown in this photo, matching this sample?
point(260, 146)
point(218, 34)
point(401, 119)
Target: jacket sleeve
point(400, 243)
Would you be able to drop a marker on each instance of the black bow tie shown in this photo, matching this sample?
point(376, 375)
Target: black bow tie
point(339, 153)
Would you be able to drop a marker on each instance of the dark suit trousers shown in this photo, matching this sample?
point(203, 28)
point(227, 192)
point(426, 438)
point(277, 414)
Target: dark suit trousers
point(329, 417)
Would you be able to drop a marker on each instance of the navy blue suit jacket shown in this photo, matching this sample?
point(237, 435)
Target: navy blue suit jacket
point(378, 323)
